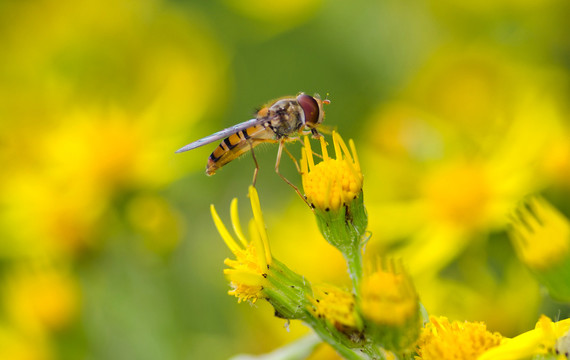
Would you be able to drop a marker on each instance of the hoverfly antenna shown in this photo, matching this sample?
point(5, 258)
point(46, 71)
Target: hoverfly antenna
point(327, 100)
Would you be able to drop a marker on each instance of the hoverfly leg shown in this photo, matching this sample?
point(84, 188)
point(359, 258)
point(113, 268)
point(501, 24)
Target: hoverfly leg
point(256, 165)
point(279, 152)
point(317, 155)
point(315, 133)
point(292, 158)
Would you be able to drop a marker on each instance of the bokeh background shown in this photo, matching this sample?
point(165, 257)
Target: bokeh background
point(107, 249)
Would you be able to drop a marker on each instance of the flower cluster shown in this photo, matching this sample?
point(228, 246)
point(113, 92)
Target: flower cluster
point(380, 316)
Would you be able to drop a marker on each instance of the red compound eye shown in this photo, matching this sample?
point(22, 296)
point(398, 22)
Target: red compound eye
point(310, 108)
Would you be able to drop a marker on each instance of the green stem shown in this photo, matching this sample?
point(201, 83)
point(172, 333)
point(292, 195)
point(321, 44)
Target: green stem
point(354, 262)
point(342, 350)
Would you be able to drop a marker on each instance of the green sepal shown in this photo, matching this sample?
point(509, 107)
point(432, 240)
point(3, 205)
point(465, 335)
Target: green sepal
point(396, 338)
point(343, 227)
point(288, 292)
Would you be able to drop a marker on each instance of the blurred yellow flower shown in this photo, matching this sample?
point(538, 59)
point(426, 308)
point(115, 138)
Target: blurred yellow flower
point(75, 179)
point(15, 345)
point(277, 16)
point(458, 193)
point(94, 101)
point(41, 299)
point(540, 234)
point(387, 295)
point(555, 163)
point(470, 88)
point(469, 137)
point(541, 237)
point(93, 97)
point(448, 177)
point(389, 305)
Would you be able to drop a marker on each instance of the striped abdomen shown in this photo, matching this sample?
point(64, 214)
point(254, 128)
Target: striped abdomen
point(236, 145)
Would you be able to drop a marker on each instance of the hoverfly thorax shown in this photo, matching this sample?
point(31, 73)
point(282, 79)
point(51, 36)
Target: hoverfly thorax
point(312, 109)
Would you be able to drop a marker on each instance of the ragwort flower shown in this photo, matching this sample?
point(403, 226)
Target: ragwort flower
point(444, 340)
point(390, 306)
point(254, 274)
point(334, 182)
point(547, 338)
point(248, 272)
point(333, 187)
point(338, 309)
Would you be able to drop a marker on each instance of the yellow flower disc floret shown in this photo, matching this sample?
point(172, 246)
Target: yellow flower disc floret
point(336, 306)
point(331, 183)
point(445, 340)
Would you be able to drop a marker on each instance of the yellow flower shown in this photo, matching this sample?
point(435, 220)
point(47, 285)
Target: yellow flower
point(387, 296)
point(444, 340)
point(18, 345)
point(334, 182)
point(337, 307)
point(333, 187)
point(81, 140)
point(541, 237)
point(556, 161)
point(254, 273)
point(540, 234)
point(458, 193)
point(41, 299)
point(449, 159)
point(448, 163)
point(290, 13)
point(248, 272)
point(389, 304)
point(546, 338)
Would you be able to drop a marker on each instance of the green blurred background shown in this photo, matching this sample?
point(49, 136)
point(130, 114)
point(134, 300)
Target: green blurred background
point(107, 249)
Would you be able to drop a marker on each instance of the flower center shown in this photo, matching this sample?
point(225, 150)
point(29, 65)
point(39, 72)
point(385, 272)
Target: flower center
point(443, 340)
point(331, 184)
point(336, 306)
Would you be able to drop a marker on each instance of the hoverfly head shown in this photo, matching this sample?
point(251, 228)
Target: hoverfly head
point(312, 108)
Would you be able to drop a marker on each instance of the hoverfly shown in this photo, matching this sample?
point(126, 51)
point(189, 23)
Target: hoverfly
point(277, 122)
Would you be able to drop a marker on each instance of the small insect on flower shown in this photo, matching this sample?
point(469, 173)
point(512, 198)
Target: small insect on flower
point(277, 122)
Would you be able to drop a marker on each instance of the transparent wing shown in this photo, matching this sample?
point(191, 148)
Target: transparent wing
point(219, 135)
